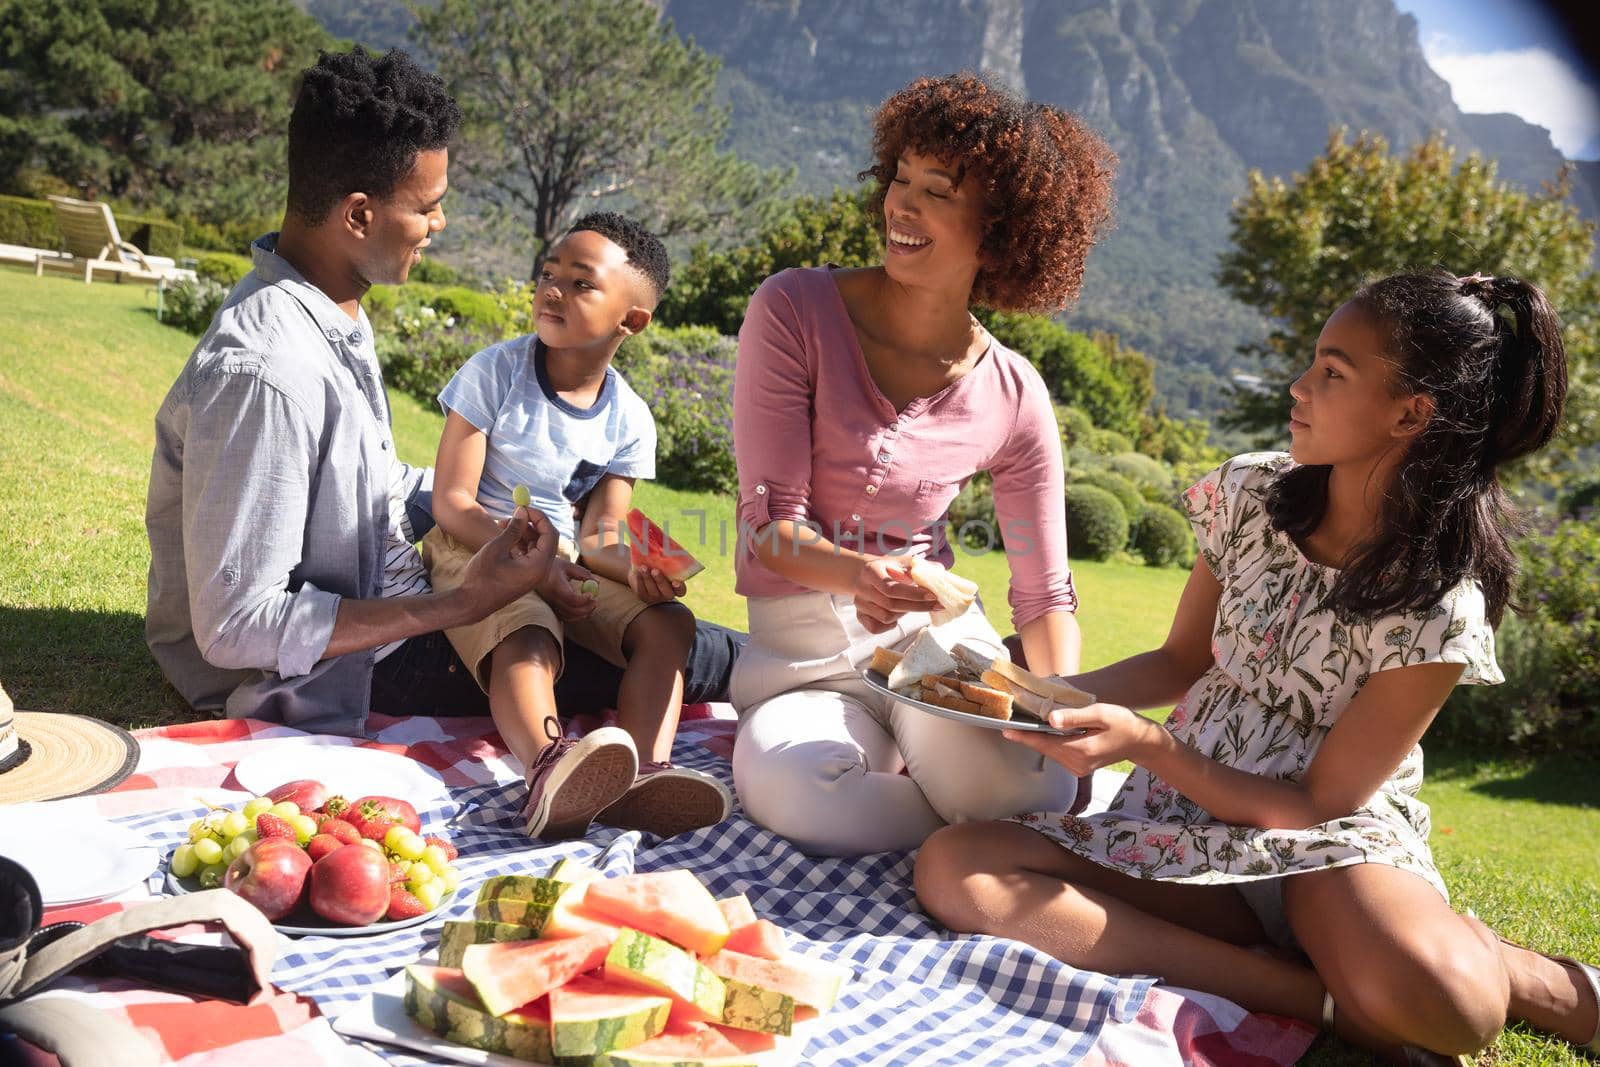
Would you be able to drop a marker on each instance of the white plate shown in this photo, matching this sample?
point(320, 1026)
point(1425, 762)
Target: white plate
point(878, 682)
point(381, 1016)
point(314, 925)
point(346, 770)
point(75, 856)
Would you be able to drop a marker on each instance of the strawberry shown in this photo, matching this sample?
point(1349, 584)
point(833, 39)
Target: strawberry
point(404, 905)
point(450, 852)
point(398, 872)
point(371, 819)
point(270, 825)
point(338, 828)
point(335, 806)
point(322, 844)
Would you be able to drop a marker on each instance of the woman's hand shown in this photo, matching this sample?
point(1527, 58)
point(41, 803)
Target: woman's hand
point(1114, 734)
point(884, 591)
point(653, 587)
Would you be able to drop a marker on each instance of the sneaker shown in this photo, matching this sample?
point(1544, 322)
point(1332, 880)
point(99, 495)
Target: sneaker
point(666, 801)
point(574, 779)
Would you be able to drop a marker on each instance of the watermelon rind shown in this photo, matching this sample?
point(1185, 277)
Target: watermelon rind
point(457, 934)
point(690, 1047)
point(812, 983)
point(465, 1022)
point(748, 1007)
point(633, 1019)
point(637, 959)
point(527, 913)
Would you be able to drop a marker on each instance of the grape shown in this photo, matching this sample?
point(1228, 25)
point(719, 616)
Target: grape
point(450, 878)
point(207, 851)
point(211, 875)
point(430, 893)
point(236, 848)
point(520, 496)
point(590, 586)
point(288, 809)
point(418, 875)
point(184, 862)
point(256, 806)
point(436, 859)
point(234, 824)
point(304, 827)
point(404, 843)
point(197, 830)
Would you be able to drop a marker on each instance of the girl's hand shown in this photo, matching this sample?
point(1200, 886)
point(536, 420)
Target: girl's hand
point(884, 592)
point(653, 587)
point(1115, 734)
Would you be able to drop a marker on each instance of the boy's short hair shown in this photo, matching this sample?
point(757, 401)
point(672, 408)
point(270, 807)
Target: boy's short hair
point(646, 253)
point(359, 121)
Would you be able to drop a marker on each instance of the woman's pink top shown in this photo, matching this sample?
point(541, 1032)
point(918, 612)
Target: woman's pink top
point(817, 441)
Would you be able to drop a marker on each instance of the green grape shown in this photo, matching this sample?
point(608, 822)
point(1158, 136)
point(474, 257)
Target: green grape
point(418, 874)
point(450, 878)
point(430, 893)
point(520, 496)
point(404, 843)
point(234, 824)
point(435, 858)
point(207, 851)
point(211, 875)
point(236, 848)
point(184, 862)
point(197, 830)
point(304, 828)
point(590, 586)
point(251, 835)
point(256, 806)
point(286, 810)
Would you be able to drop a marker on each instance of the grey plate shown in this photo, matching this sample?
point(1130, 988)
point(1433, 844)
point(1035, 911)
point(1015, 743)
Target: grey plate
point(315, 926)
point(878, 682)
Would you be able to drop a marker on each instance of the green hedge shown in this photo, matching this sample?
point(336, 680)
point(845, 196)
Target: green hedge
point(224, 268)
point(33, 223)
point(1097, 527)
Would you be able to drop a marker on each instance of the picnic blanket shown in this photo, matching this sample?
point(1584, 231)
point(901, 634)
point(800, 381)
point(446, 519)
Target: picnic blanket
point(920, 996)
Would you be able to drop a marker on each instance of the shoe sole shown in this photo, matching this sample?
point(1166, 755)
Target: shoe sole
point(572, 800)
point(668, 804)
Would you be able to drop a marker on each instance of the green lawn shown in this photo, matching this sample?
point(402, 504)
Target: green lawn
point(83, 368)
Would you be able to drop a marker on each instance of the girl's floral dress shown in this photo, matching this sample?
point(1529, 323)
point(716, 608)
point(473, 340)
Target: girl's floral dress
point(1284, 669)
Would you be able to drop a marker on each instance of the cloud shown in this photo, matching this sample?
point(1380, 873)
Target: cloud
point(1532, 83)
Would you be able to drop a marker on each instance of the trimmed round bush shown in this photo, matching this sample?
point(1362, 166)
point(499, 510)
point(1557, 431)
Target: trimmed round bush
point(1126, 492)
point(1585, 497)
point(1080, 460)
point(1108, 442)
point(224, 268)
point(1097, 527)
point(1140, 469)
point(1162, 537)
point(471, 307)
point(1076, 427)
point(971, 515)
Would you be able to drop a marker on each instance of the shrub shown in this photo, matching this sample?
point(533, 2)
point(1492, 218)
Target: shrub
point(1108, 442)
point(974, 505)
point(1126, 492)
point(1551, 657)
point(1584, 498)
point(431, 271)
point(478, 310)
point(421, 350)
point(152, 236)
point(1097, 527)
point(224, 268)
point(31, 223)
point(233, 236)
point(1076, 428)
point(190, 306)
point(1162, 537)
point(690, 392)
point(1141, 470)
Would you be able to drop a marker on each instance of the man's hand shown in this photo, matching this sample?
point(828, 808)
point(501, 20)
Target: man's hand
point(653, 587)
point(560, 591)
point(517, 560)
point(884, 592)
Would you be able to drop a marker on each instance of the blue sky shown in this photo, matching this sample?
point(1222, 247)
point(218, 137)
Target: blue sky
point(1512, 55)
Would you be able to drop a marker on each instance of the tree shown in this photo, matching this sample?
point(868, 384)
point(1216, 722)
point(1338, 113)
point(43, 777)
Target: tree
point(583, 105)
point(174, 104)
point(1302, 248)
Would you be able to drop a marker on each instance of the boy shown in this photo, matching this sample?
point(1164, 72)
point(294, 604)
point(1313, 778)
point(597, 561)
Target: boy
point(548, 412)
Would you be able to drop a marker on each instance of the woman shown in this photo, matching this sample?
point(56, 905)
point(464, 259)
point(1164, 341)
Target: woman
point(863, 401)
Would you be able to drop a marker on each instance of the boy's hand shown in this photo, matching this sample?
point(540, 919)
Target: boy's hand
point(517, 560)
point(560, 591)
point(653, 587)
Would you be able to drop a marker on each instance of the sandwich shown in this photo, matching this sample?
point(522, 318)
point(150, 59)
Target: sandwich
point(1032, 693)
point(953, 691)
point(954, 593)
point(925, 656)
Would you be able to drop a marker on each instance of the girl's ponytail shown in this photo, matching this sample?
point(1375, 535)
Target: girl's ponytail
point(1529, 380)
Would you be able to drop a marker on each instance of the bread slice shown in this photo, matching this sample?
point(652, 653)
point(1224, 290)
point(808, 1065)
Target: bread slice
point(925, 656)
point(1002, 673)
point(954, 593)
point(885, 660)
point(946, 696)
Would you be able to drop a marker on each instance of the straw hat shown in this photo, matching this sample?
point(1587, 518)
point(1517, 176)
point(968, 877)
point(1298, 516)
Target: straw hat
point(44, 756)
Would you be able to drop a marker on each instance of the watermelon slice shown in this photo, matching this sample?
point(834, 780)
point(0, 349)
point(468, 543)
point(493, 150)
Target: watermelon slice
point(457, 934)
point(737, 910)
point(649, 963)
point(511, 974)
point(588, 1016)
point(669, 904)
point(812, 983)
point(746, 1007)
point(694, 1043)
point(441, 999)
point(649, 546)
point(759, 938)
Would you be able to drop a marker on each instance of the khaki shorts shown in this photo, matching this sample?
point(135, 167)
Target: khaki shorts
point(601, 633)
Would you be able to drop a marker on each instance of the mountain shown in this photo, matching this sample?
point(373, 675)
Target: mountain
point(1192, 94)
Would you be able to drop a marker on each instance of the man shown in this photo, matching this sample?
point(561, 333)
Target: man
point(282, 582)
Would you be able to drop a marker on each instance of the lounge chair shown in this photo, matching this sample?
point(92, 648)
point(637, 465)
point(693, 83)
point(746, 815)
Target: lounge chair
point(92, 243)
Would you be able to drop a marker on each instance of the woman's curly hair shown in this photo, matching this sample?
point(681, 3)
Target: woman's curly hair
point(1046, 181)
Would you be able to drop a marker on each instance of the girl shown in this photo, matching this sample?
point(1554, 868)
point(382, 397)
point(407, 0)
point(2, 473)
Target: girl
point(1344, 589)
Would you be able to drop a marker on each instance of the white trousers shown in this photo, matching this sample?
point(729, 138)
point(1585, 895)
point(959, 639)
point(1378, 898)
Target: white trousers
point(819, 754)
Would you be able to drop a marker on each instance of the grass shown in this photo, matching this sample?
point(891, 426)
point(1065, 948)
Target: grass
point(83, 369)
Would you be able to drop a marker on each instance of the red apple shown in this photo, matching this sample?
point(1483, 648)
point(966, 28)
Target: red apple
point(271, 874)
point(307, 794)
point(351, 886)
